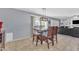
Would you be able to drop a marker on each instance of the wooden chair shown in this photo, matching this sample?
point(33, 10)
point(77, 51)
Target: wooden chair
point(37, 35)
point(48, 36)
point(52, 31)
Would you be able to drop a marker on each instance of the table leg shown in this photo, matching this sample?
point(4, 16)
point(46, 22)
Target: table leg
point(41, 39)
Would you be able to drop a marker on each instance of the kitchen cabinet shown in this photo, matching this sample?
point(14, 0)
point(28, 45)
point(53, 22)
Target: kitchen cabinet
point(69, 31)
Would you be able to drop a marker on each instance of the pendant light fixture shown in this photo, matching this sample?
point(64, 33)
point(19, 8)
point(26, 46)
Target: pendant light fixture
point(44, 14)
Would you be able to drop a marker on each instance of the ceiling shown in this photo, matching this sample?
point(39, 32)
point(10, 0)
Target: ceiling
point(53, 12)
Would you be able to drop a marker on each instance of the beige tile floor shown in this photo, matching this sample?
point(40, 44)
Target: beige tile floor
point(65, 43)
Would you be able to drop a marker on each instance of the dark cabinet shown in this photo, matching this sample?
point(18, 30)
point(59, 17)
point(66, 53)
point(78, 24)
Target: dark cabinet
point(69, 31)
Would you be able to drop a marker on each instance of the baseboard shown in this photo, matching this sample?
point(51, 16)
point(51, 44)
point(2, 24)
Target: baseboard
point(21, 38)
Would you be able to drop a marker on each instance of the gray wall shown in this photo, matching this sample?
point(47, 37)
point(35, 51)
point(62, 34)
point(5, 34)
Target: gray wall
point(17, 22)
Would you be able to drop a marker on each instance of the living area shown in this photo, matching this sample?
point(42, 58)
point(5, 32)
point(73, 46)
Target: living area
point(39, 29)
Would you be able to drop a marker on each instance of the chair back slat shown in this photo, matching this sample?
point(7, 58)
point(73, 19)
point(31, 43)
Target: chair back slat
point(55, 30)
point(50, 31)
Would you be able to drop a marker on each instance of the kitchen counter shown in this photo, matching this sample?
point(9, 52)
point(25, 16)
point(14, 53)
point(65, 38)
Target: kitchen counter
point(69, 31)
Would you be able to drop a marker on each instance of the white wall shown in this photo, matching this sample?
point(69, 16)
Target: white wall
point(65, 22)
point(54, 22)
point(69, 22)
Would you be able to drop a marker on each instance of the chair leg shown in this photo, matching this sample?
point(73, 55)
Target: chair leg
point(56, 38)
point(52, 41)
point(33, 38)
point(47, 43)
point(41, 40)
point(37, 41)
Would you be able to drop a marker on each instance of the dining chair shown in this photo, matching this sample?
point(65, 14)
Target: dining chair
point(46, 36)
point(36, 36)
point(50, 34)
